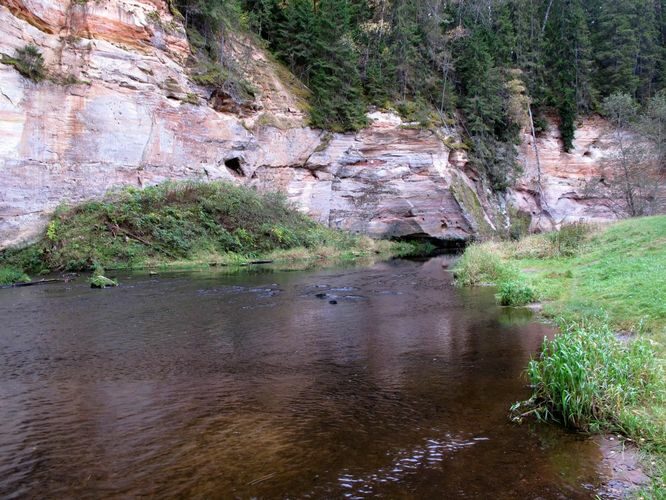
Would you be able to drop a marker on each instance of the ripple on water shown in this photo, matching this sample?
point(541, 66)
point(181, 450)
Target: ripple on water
point(427, 455)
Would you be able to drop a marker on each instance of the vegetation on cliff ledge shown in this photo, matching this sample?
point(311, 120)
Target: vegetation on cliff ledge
point(606, 288)
point(187, 223)
point(28, 61)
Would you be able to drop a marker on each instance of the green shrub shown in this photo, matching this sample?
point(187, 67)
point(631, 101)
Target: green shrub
point(29, 62)
point(587, 378)
point(478, 266)
point(172, 222)
point(568, 240)
point(11, 275)
point(515, 293)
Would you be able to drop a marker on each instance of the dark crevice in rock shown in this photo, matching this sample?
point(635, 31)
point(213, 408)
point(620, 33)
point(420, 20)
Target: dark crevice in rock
point(442, 244)
point(234, 166)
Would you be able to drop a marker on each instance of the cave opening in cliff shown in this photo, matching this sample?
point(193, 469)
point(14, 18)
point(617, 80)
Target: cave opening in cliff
point(439, 245)
point(234, 166)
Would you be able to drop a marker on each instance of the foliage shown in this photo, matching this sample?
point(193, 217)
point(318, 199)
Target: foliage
point(479, 64)
point(515, 293)
point(652, 126)
point(185, 221)
point(314, 41)
point(587, 378)
point(28, 61)
point(207, 23)
point(11, 275)
point(632, 177)
point(568, 240)
point(479, 265)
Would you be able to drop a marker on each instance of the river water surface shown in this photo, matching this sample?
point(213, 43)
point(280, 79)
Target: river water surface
point(256, 385)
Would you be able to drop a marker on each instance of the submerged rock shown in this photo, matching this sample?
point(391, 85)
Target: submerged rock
point(99, 281)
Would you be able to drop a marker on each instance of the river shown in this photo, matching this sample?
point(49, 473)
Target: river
point(350, 382)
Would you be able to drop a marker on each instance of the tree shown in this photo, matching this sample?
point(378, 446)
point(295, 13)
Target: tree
point(568, 62)
point(631, 181)
point(652, 126)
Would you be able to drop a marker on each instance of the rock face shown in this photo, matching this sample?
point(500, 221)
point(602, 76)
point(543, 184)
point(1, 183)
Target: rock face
point(127, 114)
point(561, 196)
point(387, 180)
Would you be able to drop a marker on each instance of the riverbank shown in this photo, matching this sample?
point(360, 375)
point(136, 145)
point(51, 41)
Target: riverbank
point(187, 224)
point(606, 288)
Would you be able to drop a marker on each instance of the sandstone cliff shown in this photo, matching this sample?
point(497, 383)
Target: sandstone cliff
point(121, 110)
point(555, 193)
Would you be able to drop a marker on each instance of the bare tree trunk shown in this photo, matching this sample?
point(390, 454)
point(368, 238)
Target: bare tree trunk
point(543, 204)
point(536, 151)
point(628, 189)
point(545, 18)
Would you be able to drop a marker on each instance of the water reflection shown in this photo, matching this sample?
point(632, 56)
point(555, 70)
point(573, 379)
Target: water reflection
point(256, 385)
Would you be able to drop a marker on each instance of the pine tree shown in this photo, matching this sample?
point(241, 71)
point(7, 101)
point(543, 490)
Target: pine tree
point(616, 45)
point(567, 47)
point(334, 78)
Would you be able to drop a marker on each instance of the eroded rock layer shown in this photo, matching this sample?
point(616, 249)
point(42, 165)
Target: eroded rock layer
point(119, 109)
point(553, 186)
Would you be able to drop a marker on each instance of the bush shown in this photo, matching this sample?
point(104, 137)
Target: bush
point(536, 246)
point(11, 275)
point(29, 62)
point(478, 265)
point(587, 378)
point(515, 293)
point(171, 222)
point(568, 240)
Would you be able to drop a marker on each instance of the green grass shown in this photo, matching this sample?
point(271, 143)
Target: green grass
point(587, 378)
point(515, 293)
point(479, 265)
point(11, 275)
point(604, 281)
point(621, 269)
point(184, 224)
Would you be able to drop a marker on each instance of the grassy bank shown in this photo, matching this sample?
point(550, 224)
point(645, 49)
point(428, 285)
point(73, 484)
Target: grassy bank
point(187, 224)
point(10, 275)
point(606, 288)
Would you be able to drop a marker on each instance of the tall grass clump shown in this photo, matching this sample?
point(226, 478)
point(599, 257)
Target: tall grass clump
point(568, 240)
point(11, 275)
point(479, 265)
point(515, 293)
point(587, 378)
